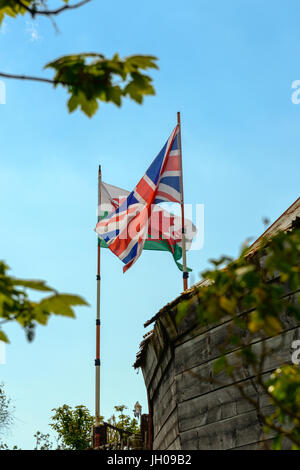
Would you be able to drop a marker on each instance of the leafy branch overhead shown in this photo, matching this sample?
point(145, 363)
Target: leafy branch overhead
point(88, 77)
point(14, 8)
point(15, 304)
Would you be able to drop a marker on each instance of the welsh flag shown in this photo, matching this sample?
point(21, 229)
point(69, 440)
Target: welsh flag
point(164, 231)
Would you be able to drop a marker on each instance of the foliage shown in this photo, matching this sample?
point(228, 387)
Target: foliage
point(15, 304)
point(88, 77)
point(42, 441)
point(14, 8)
point(6, 410)
point(121, 421)
point(5, 447)
point(73, 426)
point(284, 389)
point(256, 293)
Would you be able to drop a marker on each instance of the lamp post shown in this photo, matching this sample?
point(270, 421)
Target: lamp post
point(137, 411)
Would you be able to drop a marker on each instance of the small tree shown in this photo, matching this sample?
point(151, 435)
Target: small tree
point(42, 441)
point(122, 421)
point(6, 412)
point(73, 427)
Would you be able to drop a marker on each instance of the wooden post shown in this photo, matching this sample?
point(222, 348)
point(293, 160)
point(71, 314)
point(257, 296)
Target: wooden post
point(145, 430)
point(100, 436)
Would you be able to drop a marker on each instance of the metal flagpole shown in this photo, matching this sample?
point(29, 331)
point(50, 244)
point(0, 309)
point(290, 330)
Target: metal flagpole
point(98, 323)
point(185, 273)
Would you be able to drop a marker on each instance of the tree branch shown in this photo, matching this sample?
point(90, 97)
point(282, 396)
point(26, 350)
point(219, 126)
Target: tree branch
point(35, 79)
point(34, 12)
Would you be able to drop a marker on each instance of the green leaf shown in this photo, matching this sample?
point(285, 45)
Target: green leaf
point(3, 337)
point(89, 107)
point(33, 284)
point(248, 355)
point(182, 311)
point(15, 304)
point(12, 8)
point(229, 305)
point(61, 304)
point(276, 445)
point(235, 340)
point(256, 322)
point(219, 365)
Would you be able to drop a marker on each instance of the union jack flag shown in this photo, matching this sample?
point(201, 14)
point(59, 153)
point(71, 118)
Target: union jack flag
point(126, 229)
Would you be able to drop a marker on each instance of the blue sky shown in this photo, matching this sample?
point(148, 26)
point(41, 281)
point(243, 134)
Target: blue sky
point(228, 67)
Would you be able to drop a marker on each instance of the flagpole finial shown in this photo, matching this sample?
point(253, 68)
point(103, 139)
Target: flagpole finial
point(178, 117)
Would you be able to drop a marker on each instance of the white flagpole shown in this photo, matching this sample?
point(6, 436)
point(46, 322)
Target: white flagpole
point(98, 324)
point(185, 273)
